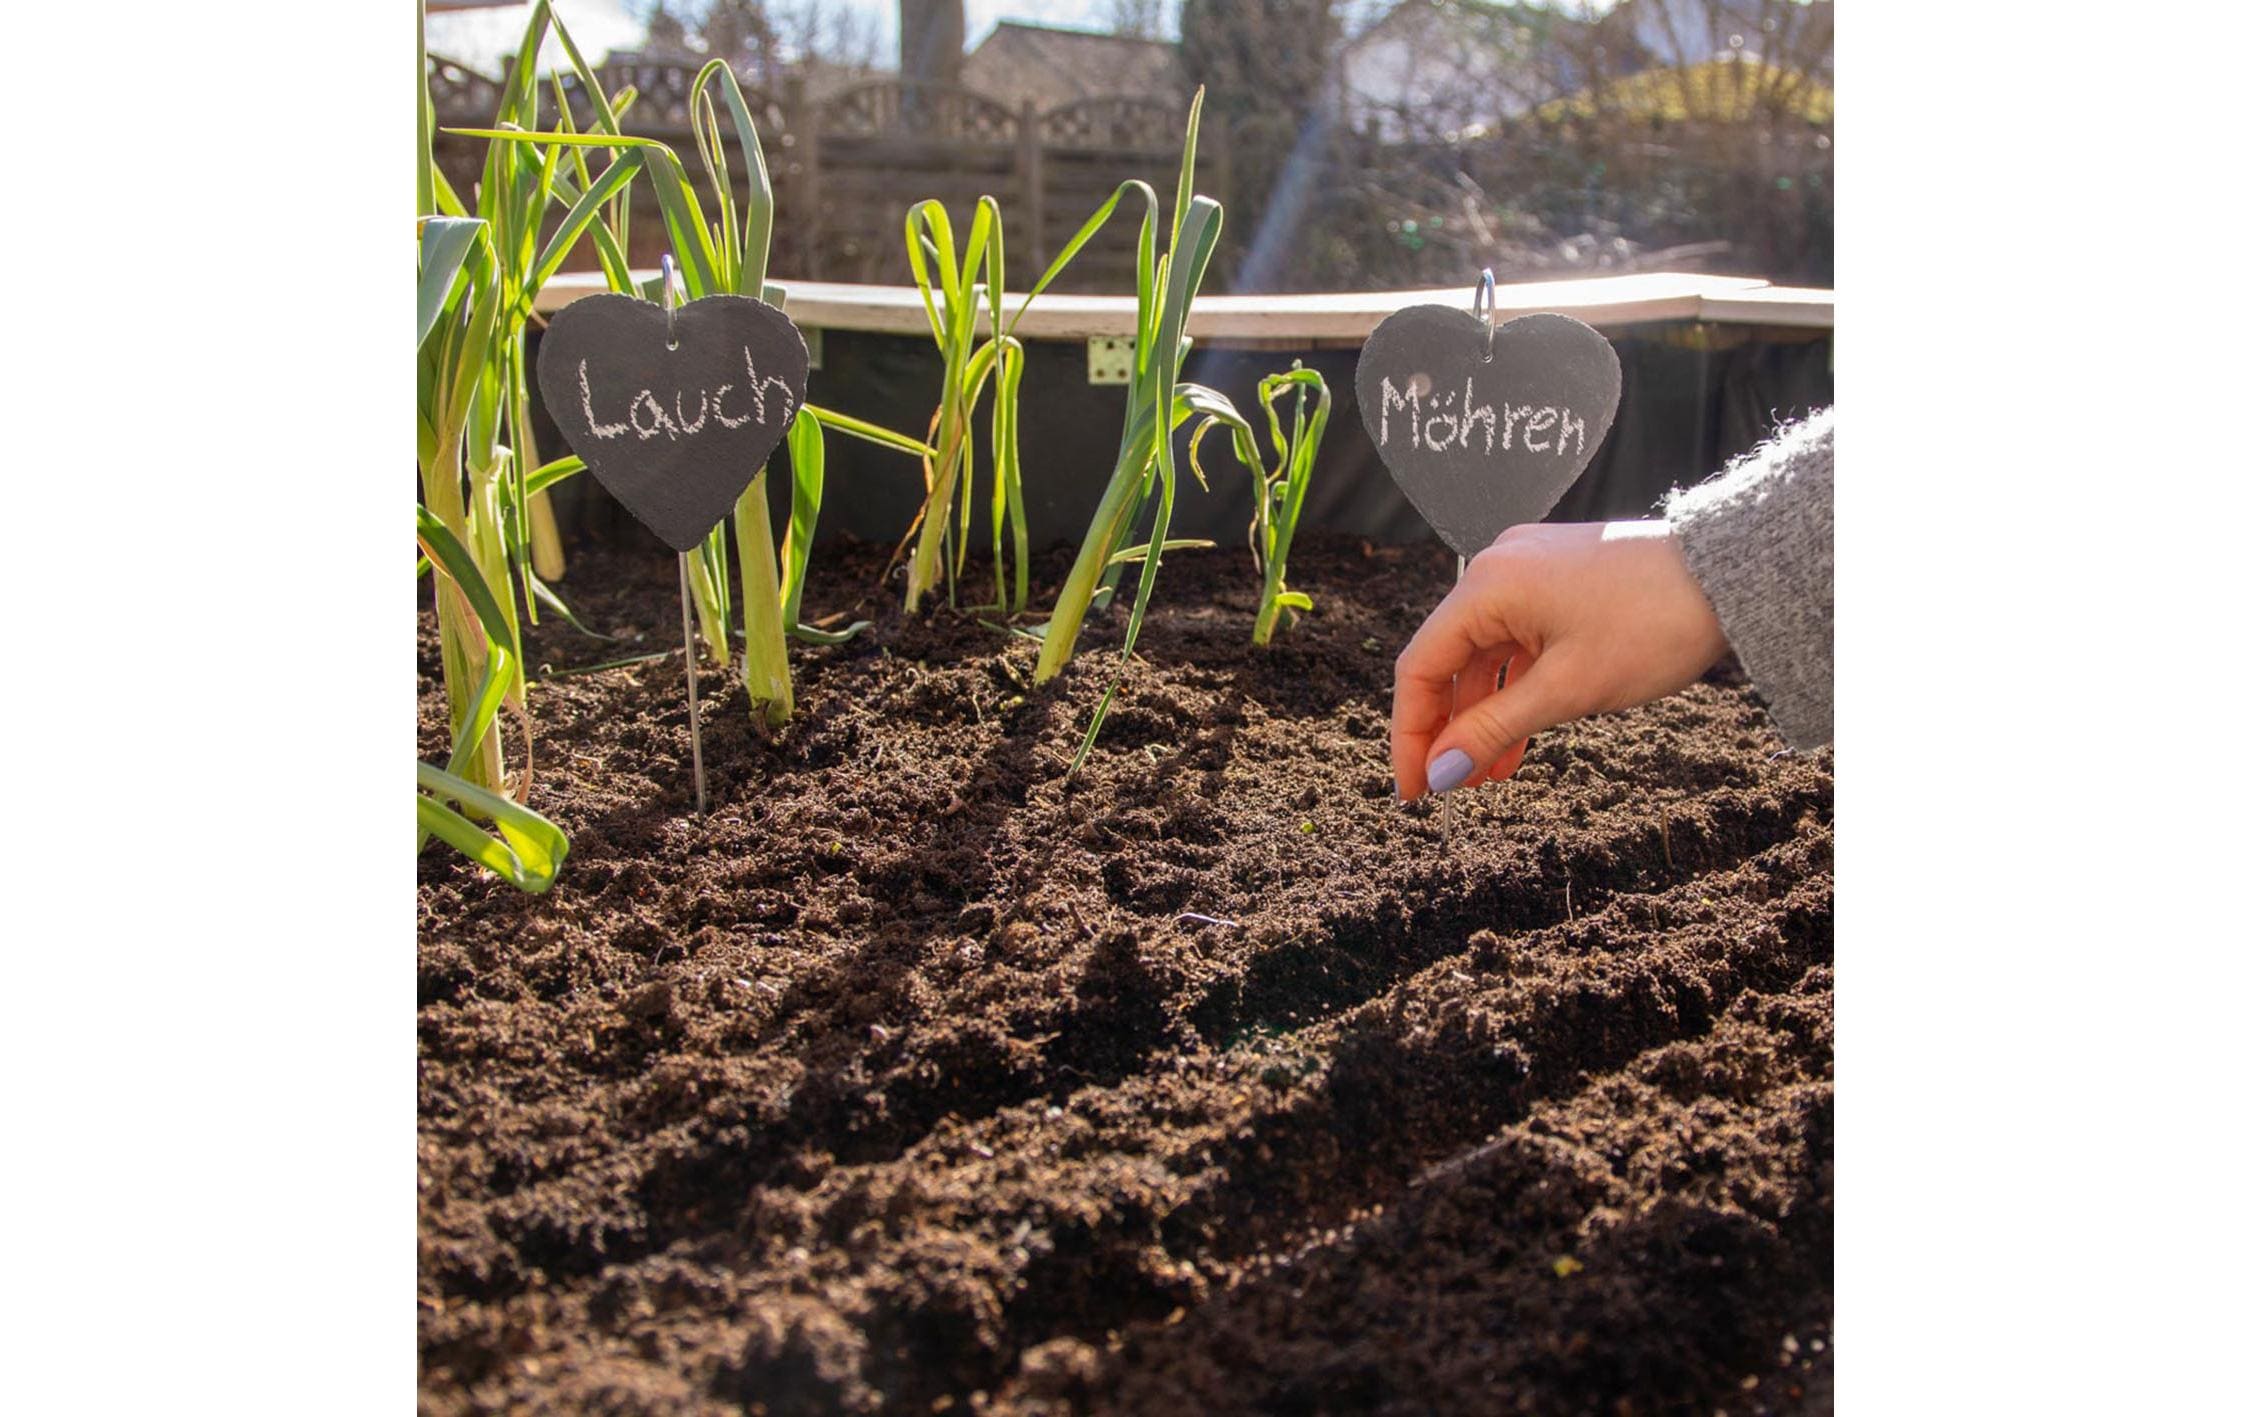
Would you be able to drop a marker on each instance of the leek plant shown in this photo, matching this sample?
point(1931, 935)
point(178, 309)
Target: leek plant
point(480, 521)
point(611, 235)
point(1157, 403)
point(478, 275)
point(518, 194)
point(1278, 494)
point(458, 299)
point(728, 256)
point(952, 303)
point(523, 847)
point(458, 306)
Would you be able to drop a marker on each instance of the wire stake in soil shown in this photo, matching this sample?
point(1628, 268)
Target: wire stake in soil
point(1446, 799)
point(695, 716)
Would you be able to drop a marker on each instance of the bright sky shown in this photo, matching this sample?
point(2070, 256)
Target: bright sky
point(481, 38)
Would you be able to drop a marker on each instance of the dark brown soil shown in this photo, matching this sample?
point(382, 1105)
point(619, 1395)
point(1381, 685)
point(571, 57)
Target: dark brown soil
point(909, 1080)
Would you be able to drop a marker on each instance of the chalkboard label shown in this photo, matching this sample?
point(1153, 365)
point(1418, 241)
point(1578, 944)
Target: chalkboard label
point(674, 419)
point(1485, 437)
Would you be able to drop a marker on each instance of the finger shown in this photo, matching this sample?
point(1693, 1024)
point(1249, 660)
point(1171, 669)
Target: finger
point(1494, 730)
point(1471, 621)
point(1423, 698)
point(1477, 683)
point(1512, 757)
point(1478, 679)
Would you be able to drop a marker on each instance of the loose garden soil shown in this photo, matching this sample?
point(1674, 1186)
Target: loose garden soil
point(912, 1080)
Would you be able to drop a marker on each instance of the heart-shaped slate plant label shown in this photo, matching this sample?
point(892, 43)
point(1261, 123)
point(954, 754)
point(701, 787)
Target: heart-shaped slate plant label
point(1480, 444)
point(674, 425)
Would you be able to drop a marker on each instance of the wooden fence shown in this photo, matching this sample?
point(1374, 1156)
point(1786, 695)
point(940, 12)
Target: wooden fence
point(846, 166)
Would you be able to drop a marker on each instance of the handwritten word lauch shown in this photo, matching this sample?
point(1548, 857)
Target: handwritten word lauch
point(1436, 424)
point(645, 416)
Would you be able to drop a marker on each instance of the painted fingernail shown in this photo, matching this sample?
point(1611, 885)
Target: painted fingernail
point(1447, 773)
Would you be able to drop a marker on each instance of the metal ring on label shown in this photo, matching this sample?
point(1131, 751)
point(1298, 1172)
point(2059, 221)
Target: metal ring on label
point(1481, 305)
point(671, 303)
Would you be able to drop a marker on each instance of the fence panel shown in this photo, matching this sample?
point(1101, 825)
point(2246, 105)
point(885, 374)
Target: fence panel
point(846, 168)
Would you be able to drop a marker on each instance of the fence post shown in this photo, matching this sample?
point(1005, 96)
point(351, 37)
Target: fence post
point(1031, 180)
point(801, 119)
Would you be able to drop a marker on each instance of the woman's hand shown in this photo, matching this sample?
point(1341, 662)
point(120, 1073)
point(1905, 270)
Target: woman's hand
point(1584, 617)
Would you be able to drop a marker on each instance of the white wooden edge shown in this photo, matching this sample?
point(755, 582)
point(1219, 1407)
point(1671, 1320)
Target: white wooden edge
point(1601, 301)
point(1801, 306)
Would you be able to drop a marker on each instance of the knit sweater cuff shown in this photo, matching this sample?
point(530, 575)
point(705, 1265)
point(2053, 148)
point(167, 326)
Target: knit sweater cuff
point(1758, 540)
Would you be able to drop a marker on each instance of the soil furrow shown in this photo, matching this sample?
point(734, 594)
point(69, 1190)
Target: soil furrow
point(908, 1075)
point(888, 1096)
point(1261, 1147)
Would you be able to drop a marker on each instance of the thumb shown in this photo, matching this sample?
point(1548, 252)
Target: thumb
point(1497, 726)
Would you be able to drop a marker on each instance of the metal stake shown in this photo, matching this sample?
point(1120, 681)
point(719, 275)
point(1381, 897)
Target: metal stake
point(1480, 305)
point(1446, 823)
point(1446, 799)
point(695, 715)
point(670, 297)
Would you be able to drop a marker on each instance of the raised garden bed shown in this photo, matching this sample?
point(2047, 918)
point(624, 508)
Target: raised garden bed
point(910, 1080)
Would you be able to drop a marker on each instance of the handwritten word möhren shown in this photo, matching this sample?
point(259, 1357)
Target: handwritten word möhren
point(1441, 427)
point(676, 423)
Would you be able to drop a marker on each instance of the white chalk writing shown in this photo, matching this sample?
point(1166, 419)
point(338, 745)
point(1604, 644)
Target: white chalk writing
point(703, 402)
point(1471, 415)
point(1392, 398)
point(658, 423)
point(719, 407)
point(586, 400)
point(1539, 422)
point(1437, 424)
point(758, 390)
point(646, 416)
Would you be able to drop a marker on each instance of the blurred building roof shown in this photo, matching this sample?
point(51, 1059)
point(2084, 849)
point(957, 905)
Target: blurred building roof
point(1446, 68)
point(1451, 68)
point(1684, 32)
point(1044, 65)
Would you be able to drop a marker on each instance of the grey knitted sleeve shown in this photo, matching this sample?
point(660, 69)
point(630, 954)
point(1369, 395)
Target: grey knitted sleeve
point(1757, 538)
